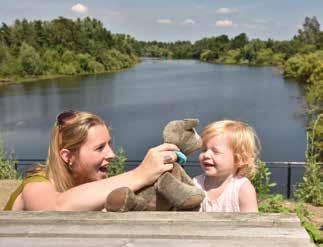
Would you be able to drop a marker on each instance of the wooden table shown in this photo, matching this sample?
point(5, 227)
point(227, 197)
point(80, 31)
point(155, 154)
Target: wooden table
point(150, 229)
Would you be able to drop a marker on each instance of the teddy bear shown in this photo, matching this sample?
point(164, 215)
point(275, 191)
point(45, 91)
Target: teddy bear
point(173, 190)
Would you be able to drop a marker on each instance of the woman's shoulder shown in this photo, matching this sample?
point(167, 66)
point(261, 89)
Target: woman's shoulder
point(37, 173)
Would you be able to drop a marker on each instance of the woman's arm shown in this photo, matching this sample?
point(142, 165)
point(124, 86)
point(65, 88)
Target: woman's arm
point(92, 196)
point(248, 198)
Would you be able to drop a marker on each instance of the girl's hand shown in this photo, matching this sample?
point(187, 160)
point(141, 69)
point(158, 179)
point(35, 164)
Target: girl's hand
point(157, 161)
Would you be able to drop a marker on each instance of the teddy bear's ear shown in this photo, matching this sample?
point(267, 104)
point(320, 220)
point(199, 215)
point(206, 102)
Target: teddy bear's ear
point(190, 123)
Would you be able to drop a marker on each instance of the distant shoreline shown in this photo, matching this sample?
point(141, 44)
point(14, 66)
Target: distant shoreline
point(6, 81)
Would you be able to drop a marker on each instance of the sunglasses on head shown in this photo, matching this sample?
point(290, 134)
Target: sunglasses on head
point(64, 116)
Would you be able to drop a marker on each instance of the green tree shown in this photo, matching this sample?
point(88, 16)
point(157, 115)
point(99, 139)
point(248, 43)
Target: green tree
point(29, 61)
point(309, 34)
point(239, 41)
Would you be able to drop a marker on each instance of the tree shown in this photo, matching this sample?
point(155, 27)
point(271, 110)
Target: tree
point(239, 41)
point(310, 32)
point(29, 61)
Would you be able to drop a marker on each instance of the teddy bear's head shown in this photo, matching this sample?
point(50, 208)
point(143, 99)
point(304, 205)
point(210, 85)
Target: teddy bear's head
point(183, 135)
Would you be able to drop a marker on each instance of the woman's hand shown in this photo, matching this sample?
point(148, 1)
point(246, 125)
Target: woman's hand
point(157, 161)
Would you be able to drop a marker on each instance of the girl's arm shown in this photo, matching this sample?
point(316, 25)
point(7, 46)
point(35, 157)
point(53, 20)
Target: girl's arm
point(92, 196)
point(248, 198)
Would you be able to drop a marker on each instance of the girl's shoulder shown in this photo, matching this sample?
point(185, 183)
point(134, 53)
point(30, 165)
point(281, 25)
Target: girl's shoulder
point(240, 180)
point(243, 184)
point(199, 181)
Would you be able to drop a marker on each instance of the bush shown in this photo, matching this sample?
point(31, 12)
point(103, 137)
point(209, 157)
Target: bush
point(29, 61)
point(311, 189)
point(273, 204)
point(96, 67)
point(117, 166)
point(304, 216)
point(7, 164)
point(262, 180)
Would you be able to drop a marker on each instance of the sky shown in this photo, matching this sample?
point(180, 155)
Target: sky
point(171, 20)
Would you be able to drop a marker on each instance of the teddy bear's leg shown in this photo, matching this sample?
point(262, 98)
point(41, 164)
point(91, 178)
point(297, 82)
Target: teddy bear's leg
point(123, 200)
point(181, 175)
point(179, 194)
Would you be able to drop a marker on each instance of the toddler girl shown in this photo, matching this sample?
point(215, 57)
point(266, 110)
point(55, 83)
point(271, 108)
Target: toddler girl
point(230, 149)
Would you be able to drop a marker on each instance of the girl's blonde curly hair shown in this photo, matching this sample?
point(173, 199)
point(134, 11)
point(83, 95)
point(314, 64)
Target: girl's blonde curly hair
point(243, 141)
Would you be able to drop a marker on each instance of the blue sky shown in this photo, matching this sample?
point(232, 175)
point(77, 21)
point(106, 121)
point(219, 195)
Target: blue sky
point(171, 20)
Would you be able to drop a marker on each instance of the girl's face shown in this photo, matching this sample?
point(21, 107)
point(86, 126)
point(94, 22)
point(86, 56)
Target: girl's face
point(217, 160)
point(91, 161)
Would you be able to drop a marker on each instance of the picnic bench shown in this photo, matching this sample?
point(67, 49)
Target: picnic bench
point(150, 229)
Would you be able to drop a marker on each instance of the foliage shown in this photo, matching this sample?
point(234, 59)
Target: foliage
point(301, 67)
point(7, 164)
point(29, 62)
point(304, 216)
point(311, 189)
point(117, 165)
point(262, 180)
point(62, 47)
point(277, 204)
point(273, 204)
point(310, 31)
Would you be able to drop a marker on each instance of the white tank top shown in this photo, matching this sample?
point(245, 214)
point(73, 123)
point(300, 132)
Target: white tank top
point(228, 201)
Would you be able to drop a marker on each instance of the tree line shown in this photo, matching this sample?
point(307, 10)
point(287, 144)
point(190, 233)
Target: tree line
point(62, 47)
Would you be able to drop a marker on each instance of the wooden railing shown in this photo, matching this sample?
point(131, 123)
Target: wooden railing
point(171, 229)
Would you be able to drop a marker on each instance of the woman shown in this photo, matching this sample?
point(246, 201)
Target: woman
point(75, 178)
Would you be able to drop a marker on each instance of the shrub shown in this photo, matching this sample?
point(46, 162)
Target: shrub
point(304, 216)
point(117, 166)
point(7, 164)
point(273, 204)
point(262, 180)
point(311, 189)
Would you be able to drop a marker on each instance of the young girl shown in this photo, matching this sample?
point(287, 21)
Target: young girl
point(228, 158)
point(75, 176)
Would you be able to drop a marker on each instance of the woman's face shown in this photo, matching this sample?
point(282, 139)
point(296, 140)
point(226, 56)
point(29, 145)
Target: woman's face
point(91, 162)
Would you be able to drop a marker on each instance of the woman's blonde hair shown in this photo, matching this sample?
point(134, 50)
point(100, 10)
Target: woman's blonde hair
point(70, 135)
point(243, 142)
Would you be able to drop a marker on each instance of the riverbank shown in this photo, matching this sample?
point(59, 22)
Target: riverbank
point(15, 80)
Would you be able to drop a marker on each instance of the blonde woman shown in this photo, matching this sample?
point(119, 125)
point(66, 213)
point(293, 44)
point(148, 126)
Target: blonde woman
point(228, 160)
point(75, 176)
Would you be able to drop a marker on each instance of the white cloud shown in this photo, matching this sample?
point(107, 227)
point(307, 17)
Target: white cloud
point(79, 8)
point(227, 10)
point(224, 23)
point(165, 21)
point(188, 22)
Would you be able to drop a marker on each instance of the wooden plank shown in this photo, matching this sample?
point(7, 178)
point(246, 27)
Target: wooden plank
point(92, 242)
point(150, 228)
point(289, 220)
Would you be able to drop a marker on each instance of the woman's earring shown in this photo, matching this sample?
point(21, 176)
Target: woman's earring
point(70, 166)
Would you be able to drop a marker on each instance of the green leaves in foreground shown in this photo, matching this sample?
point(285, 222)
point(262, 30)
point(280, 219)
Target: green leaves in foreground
point(7, 164)
point(262, 180)
point(117, 166)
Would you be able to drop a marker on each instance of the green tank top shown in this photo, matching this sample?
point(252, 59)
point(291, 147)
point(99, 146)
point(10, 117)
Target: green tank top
point(39, 176)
